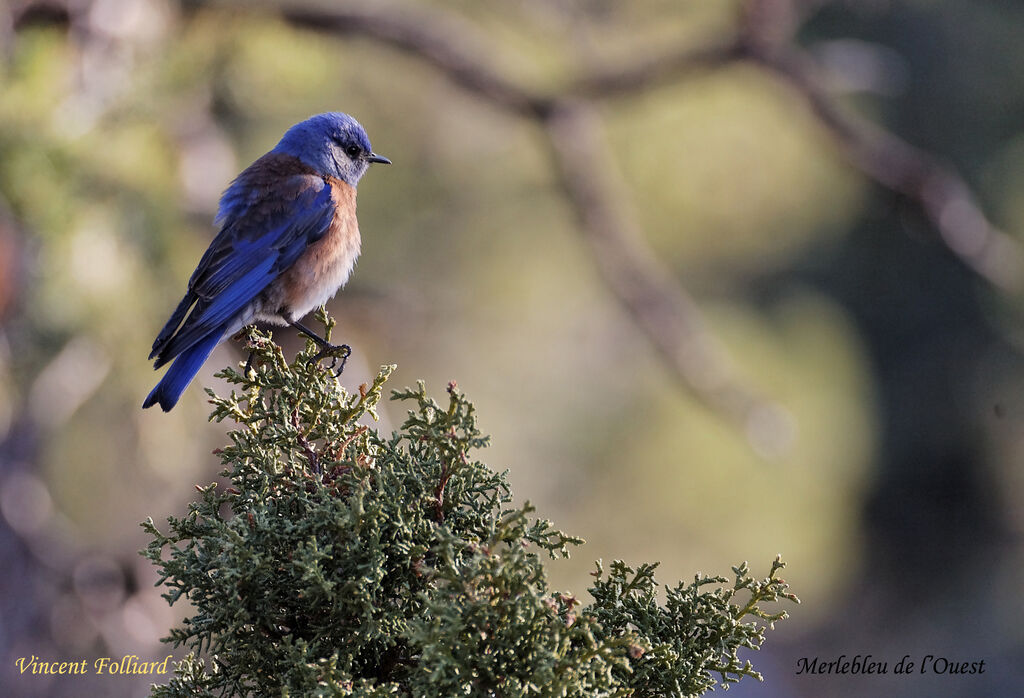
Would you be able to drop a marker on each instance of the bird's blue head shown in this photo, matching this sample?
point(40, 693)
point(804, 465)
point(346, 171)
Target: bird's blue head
point(333, 144)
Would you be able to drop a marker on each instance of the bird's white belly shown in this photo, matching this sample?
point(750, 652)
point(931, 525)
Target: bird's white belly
point(318, 282)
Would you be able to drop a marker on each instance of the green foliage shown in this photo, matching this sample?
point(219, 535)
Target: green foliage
point(340, 562)
point(697, 632)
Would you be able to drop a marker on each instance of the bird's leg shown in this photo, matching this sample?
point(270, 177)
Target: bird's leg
point(240, 336)
point(248, 363)
point(335, 351)
point(320, 341)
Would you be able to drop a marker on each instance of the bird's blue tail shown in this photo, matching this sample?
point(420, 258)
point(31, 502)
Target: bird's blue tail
point(182, 371)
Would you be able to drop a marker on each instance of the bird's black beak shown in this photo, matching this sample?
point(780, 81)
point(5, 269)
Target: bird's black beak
point(373, 157)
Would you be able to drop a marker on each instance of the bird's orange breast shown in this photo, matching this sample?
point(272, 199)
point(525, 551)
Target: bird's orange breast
point(325, 267)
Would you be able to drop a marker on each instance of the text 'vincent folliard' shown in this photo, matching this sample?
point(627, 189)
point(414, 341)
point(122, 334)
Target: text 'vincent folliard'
point(867, 664)
point(128, 664)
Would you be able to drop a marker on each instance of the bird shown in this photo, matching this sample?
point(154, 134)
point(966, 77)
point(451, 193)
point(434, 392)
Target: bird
point(288, 240)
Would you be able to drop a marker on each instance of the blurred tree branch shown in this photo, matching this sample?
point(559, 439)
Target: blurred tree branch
point(658, 304)
point(455, 47)
point(439, 38)
point(941, 193)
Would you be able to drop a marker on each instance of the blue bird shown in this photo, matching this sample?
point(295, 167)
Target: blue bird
point(288, 241)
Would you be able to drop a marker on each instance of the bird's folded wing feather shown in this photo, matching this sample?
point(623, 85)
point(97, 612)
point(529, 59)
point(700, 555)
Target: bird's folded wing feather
point(268, 221)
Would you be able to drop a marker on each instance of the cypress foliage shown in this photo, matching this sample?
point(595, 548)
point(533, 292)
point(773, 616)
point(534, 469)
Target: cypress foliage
point(343, 562)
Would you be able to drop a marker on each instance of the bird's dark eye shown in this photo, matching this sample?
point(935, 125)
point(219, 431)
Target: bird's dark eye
point(353, 151)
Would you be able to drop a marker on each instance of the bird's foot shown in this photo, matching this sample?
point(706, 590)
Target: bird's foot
point(337, 353)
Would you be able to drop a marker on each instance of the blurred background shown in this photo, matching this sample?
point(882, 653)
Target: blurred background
point(846, 385)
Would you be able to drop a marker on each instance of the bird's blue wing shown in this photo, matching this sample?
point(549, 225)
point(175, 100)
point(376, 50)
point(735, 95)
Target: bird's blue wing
point(269, 220)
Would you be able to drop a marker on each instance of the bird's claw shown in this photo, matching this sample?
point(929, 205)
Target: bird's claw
point(337, 353)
